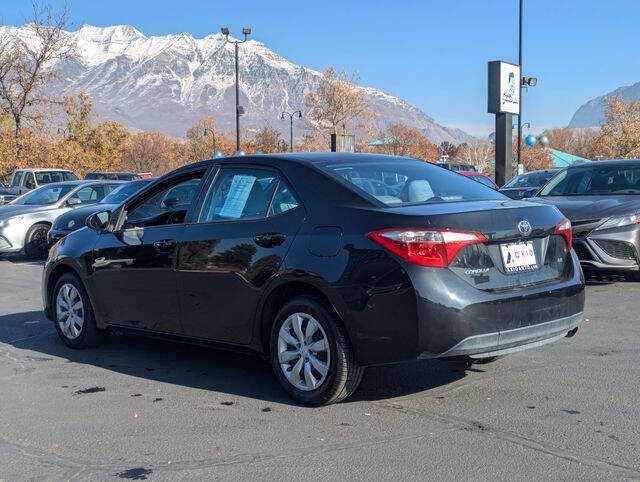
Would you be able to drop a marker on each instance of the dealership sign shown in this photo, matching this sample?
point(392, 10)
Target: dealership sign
point(504, 88)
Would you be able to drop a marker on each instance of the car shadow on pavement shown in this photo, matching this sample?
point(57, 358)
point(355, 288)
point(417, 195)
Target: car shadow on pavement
point(20, 258)
point(211, 369)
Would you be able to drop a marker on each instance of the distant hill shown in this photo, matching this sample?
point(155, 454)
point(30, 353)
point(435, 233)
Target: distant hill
point(591, 114)
point(167, 83)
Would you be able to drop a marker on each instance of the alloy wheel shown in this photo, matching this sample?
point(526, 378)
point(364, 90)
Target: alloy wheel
point(303, 352)
point(70, 311)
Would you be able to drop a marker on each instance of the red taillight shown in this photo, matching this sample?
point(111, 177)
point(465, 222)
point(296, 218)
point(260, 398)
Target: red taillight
point(434, 247)
point(563, 228)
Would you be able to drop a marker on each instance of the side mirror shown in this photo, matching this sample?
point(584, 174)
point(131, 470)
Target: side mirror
point(73, 201)
point(99, 221)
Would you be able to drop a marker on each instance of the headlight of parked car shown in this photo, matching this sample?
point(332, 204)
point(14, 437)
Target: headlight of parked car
point(5, 223)
point(619, 221)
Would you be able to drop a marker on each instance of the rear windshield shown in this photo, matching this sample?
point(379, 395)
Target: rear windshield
point(403, 182)
point(595, 181)
point(534, 179)
point(54, 176)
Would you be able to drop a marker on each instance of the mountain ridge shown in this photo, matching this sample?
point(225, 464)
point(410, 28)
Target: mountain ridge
point(166, 83)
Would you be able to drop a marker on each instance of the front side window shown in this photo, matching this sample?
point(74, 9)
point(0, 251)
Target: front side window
point(29, 181)
point(17, 179)
point(595, 181)
point(239, 193)
point(401, 182)
point(45, 195)
point(167, 206)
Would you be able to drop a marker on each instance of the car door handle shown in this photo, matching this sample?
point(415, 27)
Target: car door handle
point(269, 240)
point(165, 244)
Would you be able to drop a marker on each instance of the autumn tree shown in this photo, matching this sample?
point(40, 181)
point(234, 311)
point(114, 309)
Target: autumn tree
point(619, 135)
point(402, 140)
point(25, 67)
point(335, 101)
point(533, 158)
point(479, 153)
point(268, 140)
point(448, 149)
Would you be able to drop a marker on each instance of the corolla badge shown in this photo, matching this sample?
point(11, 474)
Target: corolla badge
point(524, 227)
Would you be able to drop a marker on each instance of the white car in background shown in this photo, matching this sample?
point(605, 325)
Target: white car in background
point(25, 222)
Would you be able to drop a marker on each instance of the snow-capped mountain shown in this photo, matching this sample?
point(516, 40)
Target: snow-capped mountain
point(591, 114)
point(167, 83)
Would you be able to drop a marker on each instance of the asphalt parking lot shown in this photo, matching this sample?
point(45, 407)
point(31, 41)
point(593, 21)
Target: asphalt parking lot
point(137, 408)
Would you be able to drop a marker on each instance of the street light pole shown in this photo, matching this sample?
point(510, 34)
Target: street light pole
point(208, 131)
point(246, 31)
point(520, 88)
point(291, 116)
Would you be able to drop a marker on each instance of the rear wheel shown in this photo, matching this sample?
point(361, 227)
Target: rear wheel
point(36, 241)
point(74, 319)
point(311, 354)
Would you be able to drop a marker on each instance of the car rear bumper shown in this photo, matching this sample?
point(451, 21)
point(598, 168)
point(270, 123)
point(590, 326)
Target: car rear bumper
point(509, 341)
point(434, 313)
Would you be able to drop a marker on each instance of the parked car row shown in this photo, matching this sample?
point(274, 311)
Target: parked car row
point(26, 222)
point(24, 180)
point(323, 263)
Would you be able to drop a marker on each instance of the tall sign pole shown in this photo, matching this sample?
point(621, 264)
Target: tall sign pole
point(503, 100)
point(520, 90)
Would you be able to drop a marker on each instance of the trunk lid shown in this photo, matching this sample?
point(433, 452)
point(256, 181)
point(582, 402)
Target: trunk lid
point(483, 265)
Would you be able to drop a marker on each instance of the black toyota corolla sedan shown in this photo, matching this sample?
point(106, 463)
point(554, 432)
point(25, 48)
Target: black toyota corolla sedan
point(291, 256)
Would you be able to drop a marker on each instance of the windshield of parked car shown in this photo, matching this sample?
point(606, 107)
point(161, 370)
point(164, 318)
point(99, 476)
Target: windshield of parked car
point(47, 177)
point(124, 192)
point(532, 179)
point(46, 195)
point(402, 182)
point(595, 181)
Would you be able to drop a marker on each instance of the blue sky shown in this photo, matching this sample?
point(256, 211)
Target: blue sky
point(430, 53)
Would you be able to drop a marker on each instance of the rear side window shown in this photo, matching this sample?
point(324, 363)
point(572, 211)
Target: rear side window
point(47, 177)
point(402, 182)
point(484, 180)
point(239, 193)
point(283, 200)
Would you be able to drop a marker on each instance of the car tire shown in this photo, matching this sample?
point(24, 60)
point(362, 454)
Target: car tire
point(296, 364)
point(78, 328)
point(35, 245)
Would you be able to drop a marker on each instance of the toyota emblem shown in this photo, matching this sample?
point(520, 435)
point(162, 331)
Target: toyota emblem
point(524, 227)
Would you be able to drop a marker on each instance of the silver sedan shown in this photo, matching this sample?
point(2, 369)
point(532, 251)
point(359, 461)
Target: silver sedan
point(25, 222)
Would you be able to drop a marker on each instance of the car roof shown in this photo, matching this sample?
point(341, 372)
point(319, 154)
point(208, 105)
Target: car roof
point(82, 182)
point(42, 169)
point(300, 158)
point(608, 162)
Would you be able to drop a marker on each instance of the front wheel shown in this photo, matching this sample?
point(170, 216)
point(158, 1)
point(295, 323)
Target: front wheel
point(311, 354)
point(74, 319)
point(36, 241)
